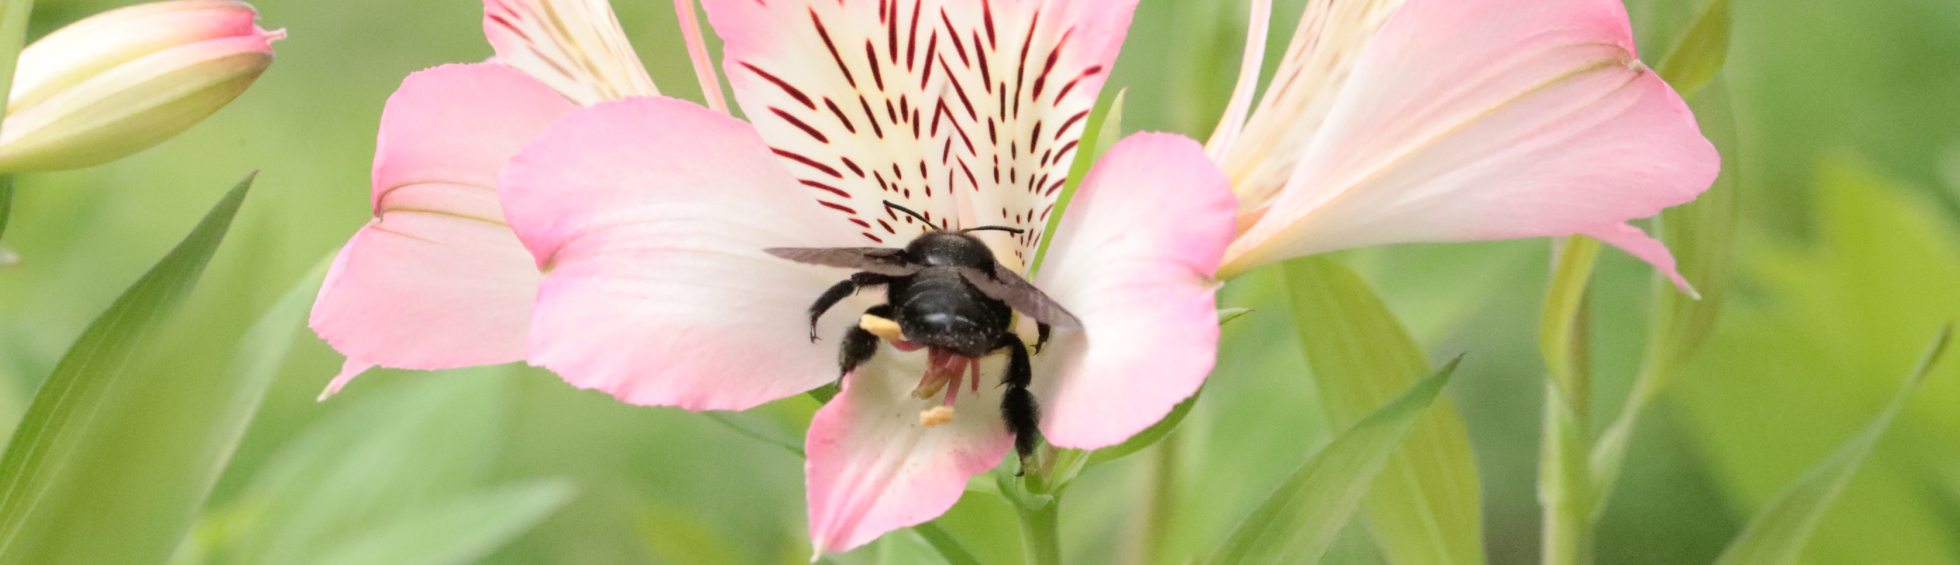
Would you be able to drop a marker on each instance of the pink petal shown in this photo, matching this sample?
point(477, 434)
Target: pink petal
point(1133, 259)
point(873, 468)
point(576, 46)
point(1491, 119)
point(650, 216)
point(967, 111)
point(437, 280)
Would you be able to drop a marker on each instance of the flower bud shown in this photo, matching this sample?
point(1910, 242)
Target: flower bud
point(120, 81)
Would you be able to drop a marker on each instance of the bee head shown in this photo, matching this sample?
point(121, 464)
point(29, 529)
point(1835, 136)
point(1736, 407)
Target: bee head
point(950, 248)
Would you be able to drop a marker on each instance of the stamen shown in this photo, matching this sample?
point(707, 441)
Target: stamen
point(936, 416)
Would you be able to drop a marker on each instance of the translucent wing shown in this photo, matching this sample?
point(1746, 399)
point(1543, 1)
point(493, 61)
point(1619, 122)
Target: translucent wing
point(881, 260)
point(1003, 285)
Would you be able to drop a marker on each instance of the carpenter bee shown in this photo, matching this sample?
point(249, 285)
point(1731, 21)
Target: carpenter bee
point(948, 294)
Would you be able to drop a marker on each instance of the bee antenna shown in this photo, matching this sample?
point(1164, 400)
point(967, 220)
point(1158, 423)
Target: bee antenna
point(909, 212)
point(1015, 231)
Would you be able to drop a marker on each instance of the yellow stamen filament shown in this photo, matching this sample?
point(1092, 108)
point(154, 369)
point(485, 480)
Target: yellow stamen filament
point(935, 416)
point(881, 327)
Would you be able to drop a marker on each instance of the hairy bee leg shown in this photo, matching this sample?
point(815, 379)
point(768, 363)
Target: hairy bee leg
point(1041, 332)
point(1017, 406)
point(838, 292)
point(859, 345)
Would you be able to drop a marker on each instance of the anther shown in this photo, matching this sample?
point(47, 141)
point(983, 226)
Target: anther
point(935, 416)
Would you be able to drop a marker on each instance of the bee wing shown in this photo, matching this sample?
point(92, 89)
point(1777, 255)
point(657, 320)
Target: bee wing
point(880, 260)
point(1005, 286)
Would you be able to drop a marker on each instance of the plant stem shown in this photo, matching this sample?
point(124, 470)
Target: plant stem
point(1565, 487)
point(1040, 528)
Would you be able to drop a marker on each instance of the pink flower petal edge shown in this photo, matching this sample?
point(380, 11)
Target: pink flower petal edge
point(1133, 258)
point(1491, 119)
point(436, 280)
point(650, 216)
point(872, 467)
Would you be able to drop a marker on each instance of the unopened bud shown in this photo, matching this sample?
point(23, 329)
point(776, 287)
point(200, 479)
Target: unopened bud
point(120, 81)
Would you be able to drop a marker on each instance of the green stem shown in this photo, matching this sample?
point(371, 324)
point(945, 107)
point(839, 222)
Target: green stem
point(1041, 538)
point(1565, 487)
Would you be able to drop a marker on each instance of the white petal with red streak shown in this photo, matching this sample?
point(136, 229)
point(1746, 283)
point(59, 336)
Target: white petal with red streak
point(965, 111)
point(576, 46)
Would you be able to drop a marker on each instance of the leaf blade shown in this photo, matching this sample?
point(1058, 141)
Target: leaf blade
point(60, 426)
point(1777, 533)
point(455, 532)
point(1425, 508)
point(1302, 517)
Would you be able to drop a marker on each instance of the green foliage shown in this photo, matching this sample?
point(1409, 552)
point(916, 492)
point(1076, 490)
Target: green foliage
point(85, 460)
point(1774, 388)
point(391, 478)
point(1777, 534)
point(1424, 508)
point(1301, 518)
point(1699, 53)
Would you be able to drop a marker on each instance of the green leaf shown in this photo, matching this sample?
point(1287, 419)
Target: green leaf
point(420, 443)
point(72, 465)
point(454, 532)
point(1777, 533)
point(1149, 436)
point(757, 429)
point(1298, 522)
point(943, 542)
point(1104, 120)
point(1424, 508)
point(1698, 55)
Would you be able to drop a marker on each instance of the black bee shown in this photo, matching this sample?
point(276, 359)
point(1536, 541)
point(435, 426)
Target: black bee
point(947, 293)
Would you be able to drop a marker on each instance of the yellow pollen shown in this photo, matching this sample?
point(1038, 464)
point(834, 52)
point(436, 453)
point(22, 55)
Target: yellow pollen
point(935, 416)
point(881, 327)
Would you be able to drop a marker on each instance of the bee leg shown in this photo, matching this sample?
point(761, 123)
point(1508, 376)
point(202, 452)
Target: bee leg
point(1017, 406)
point(860, 345)
point(1041, 336)
point(838, 292)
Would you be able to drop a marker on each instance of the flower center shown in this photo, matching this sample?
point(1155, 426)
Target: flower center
point(945, 370)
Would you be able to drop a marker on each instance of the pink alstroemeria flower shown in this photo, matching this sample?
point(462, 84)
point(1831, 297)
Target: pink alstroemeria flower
point(650, 218)
point(1459, 120)
point(437, 280)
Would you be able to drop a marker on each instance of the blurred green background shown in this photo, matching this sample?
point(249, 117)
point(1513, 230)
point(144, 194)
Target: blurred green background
point(1848, 167)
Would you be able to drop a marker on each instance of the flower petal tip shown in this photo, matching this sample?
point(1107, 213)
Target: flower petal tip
point(348, 370)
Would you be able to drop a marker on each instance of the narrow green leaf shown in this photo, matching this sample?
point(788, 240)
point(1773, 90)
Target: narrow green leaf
point(1700, 52)
point(1702, 235)
point(1229, 314)
point(1560, 336)
point(1149, 436)
point(1103, 119)
point(756, 429)
point(943, 541)
point(6, 200)
point(60, 469)
point(1777, 533)
point(1424, 508)
point(454, 532)
point(417, 443)
point(1301, 518)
